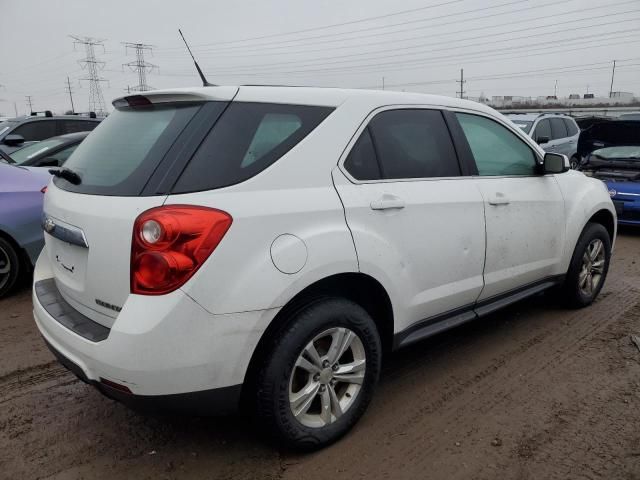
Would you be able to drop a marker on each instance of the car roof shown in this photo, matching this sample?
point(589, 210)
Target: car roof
point(317, 96)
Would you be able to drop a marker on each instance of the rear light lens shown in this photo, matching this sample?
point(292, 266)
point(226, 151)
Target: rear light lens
point(44, 189)
point(170, 243)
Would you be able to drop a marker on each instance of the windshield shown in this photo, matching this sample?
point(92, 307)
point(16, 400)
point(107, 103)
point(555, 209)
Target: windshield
point(25, 154)
point(523, 125)
point(626, 153)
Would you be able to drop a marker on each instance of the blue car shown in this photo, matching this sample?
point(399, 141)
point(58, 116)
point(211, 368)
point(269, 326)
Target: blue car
point(611, 152)
point(21, 237)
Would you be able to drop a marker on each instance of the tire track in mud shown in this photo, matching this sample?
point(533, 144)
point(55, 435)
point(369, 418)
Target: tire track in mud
point(23, 382)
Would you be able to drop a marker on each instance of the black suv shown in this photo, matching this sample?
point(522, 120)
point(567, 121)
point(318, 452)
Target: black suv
point(20, 131)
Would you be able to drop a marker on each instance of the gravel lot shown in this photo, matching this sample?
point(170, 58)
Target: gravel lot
point(535, 391)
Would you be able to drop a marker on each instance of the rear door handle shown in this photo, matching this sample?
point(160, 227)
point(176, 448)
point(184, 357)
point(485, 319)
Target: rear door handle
point(499, 199)
point(387, 202)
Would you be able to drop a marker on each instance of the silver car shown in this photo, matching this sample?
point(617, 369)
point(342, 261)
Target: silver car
point(554, 132)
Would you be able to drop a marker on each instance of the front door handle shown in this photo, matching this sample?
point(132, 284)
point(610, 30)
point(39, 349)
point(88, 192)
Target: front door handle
point(387, 202)
point(499, 199)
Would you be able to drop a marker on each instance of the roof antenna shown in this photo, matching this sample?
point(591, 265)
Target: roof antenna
point(202, 77)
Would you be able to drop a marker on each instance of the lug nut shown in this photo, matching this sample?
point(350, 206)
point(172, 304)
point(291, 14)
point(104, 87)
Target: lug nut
point(316, 377)
point(325, 364)
point(335, 368)
point(322, 388)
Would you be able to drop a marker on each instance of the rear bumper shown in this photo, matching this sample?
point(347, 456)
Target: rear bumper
point(215, 401)
point(166, 350)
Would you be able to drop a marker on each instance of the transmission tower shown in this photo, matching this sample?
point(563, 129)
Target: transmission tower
point(140, 65)
point(92, 66)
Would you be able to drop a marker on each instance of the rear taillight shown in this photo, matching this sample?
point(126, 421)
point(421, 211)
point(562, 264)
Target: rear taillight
point(44, 190)
point(170, 243)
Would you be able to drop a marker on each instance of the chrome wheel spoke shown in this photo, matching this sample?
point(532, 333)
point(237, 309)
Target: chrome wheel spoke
point(582, 278)
point(595, 250)
point(325, 401)
point(598, 267)
point(341, 341)
point(305, 364)
point(301, 401)
point(336, 409)
point(351, 372)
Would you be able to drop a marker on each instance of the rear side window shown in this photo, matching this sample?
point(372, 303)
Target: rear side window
point(572, 128)
point(72, 126)
point(120, 155)
point(558, 128)
point(362, 163)
point(413, 144)
point(246, 139)
point(37, 130)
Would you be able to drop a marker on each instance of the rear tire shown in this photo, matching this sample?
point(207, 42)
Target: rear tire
point(589, 266)
point(319, 374)
point(9, 267)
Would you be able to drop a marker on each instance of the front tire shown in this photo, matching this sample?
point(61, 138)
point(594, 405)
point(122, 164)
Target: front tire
point(9, 267)
point(589, 266)
point(319, 375)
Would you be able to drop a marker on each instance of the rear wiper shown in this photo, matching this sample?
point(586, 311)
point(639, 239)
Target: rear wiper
point(66, 173)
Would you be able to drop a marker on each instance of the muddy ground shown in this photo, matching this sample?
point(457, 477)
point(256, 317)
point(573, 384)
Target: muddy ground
point(535, 391)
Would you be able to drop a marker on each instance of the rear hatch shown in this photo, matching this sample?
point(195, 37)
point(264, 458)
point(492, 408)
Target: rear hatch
point(126, 166)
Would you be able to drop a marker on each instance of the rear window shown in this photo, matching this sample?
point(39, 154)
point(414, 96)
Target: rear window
point(121, 154)
point(247, 138)
point(24, 154)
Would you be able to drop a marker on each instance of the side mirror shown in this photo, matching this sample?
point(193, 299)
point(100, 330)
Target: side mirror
point(47, 162)
point(555, 163)
point(13, 140)
point(542, 140)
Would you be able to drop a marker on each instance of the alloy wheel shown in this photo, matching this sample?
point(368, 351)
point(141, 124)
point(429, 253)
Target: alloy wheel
point(5, 267)
point(327, 377)
point(592, 269)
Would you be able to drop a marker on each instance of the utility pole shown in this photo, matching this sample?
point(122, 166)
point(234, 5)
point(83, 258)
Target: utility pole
point(613, 72)
point(15, 108)
point(92, 66)
point(555, 90)
point(382, 83)
point(30, 103)
point(70, 91)
point(462, 81)
point(140, 65)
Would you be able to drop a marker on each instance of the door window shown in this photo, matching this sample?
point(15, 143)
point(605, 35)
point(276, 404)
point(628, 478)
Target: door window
point(558, 128)
point(362, 162)
point(413, 144)
point(543, 129)
point(572, 128)
point(496, 150)
point(36, 130)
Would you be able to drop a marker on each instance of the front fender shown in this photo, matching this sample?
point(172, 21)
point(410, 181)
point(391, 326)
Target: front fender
point(583, 197)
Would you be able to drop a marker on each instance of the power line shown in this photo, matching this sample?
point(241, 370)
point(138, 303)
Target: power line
point(92, 65)
point(140, 65)
point(324, 27)
point(349, 58)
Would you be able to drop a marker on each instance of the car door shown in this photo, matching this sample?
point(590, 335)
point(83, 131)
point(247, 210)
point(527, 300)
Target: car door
point(417, 222)
point(524, 210)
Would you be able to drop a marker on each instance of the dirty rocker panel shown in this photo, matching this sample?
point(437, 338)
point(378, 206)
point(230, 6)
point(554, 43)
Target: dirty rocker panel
point(439, 323)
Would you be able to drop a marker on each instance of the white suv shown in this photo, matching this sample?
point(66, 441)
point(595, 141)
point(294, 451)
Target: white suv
point(270, 244)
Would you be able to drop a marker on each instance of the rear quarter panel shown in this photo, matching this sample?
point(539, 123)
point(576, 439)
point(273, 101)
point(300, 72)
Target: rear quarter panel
point(20, 214)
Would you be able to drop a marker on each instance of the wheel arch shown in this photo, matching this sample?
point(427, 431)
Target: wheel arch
point(605, 218)
point(358, 287)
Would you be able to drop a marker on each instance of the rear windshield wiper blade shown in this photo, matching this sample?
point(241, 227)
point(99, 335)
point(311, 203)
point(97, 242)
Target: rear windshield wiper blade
point(66, 173)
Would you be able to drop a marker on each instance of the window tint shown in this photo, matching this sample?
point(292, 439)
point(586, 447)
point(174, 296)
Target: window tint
point(119, 157)
point(413, 144)
point(25, 155)
point(246, 139)
point(37, 130)
point(362, 163)
point(572, 128)
point(543, 129)
point(558, 128)
point(72, 126)
point(64, 154)
point(497, 151)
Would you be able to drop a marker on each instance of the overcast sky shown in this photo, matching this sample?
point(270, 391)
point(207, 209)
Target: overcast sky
point(506, 47)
